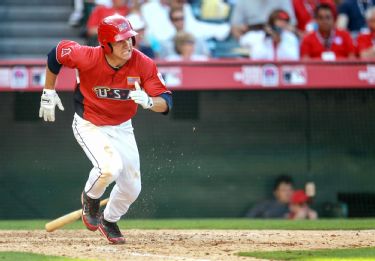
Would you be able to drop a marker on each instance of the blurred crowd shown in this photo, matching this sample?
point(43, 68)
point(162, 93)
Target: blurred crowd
point(177, 30)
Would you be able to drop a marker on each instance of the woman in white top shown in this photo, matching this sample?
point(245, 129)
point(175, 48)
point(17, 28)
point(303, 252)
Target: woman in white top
point(276, 42)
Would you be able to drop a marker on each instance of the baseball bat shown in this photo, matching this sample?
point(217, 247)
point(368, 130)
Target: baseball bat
point(68, 218)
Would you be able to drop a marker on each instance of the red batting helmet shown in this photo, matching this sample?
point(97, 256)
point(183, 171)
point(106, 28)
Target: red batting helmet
point(114, 28)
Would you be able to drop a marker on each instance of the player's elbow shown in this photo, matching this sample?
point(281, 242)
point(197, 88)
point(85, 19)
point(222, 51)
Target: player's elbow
point(53, 65)
point(167, 97)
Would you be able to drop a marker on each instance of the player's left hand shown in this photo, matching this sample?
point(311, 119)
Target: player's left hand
point(140, 97)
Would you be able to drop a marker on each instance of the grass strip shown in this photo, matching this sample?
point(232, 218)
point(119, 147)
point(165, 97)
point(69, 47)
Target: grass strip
point(351, 254)
point(240, 223)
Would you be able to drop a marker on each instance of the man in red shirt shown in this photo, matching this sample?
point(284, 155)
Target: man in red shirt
point(366, 41)
point(106, 98)
point(99, 13)
point(327, 42)
point(304, 10)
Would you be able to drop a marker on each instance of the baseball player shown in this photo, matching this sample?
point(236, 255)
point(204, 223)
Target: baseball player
point(112, 80)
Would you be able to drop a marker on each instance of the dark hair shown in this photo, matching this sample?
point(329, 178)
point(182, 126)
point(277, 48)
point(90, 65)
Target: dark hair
point(322, 7)
point(283, 178)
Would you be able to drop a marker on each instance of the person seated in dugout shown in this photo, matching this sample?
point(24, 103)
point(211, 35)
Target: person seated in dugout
point(299, 207)
point(278, 207)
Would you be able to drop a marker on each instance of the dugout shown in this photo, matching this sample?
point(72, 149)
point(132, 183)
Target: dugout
point(215, 155)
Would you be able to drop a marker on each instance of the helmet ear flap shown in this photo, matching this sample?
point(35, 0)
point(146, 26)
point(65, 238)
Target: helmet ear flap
point(110, 48)
point(107, 47)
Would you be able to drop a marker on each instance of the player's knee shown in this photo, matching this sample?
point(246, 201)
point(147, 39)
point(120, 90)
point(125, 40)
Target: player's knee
point(113, 164)
point(135, 191)
point(106, 178)
point(132, 191)
point(110, 172)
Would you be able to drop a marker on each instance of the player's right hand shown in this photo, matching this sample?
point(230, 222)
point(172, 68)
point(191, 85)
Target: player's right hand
point(48, 102)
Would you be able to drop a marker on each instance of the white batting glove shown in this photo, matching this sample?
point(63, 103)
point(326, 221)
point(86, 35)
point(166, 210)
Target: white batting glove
point(48, 102)
point(140, 97)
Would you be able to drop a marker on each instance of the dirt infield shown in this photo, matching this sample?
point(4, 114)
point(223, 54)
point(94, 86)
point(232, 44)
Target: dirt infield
point(178, 244)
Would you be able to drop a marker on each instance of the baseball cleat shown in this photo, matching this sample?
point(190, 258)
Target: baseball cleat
point(90, 212)
point(111, 231)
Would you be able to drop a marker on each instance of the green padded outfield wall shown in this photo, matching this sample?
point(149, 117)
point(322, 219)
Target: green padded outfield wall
point(214, 156)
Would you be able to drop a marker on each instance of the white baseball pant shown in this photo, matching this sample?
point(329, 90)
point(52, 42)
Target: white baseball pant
point(114, 155)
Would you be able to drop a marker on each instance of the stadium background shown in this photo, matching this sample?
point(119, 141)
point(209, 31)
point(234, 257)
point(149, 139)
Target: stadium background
point(215, 155)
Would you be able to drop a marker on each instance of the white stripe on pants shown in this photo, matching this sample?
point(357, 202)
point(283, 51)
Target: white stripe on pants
point(114, 154)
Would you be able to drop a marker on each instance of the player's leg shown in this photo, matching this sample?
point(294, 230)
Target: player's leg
point(107, 165)
point(128, 183)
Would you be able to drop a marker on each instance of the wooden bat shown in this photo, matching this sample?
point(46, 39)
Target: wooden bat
point(68, 218)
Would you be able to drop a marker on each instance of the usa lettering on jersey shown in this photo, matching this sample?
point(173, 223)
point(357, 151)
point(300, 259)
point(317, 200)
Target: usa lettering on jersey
point(104, 92)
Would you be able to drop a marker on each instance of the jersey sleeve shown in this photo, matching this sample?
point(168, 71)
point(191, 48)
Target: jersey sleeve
point(71, 54)
point(153, 82)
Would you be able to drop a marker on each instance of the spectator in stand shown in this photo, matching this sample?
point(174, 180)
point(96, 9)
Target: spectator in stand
point(135, 5)
point(141, 43)
point(77, 15)
point(352, 15)
point(197, 28)
point(327, 42)
point(160, 27)
point(168, 46)
point(279, 206)
point(275, 42)
point(366, 41)
point(82, 11)
point(299, 208)
point(304, 10)
point(214, 10)
point(99, 13)
point(184, 44)
point(253, 16)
